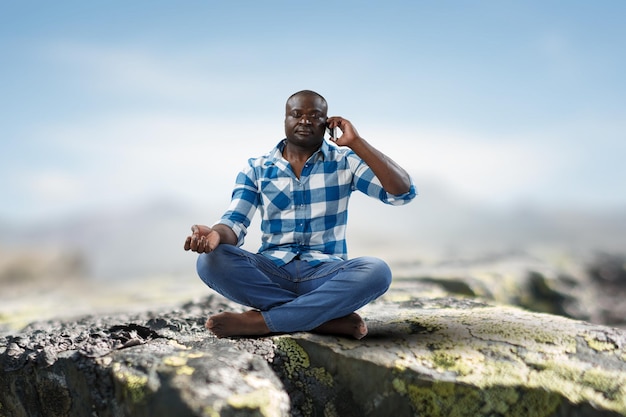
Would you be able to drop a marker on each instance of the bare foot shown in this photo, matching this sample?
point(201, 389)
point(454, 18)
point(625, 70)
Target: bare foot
point(350, 325)
point(250, 323)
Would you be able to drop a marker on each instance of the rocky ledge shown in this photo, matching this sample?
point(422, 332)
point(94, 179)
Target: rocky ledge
point(434, 356)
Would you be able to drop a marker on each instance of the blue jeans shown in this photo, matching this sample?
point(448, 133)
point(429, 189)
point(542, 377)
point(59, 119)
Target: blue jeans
point(296, 296)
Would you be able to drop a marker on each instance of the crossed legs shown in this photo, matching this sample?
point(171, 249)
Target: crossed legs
point(296, 297)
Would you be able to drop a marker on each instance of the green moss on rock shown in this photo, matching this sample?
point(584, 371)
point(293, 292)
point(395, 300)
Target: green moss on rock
point(296, 358)
point(310, 387)
point(133, 386)
point(448, 399)
point(260, 400)
point(599, 345)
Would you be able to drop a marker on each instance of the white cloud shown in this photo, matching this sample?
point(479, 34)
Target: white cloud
point(133, 158)
point(53, 185)
point(136, 70)
point(492, 170)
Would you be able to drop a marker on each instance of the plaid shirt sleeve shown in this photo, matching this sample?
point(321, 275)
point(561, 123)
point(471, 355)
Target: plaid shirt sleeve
point(244, 202)
point(366, 182)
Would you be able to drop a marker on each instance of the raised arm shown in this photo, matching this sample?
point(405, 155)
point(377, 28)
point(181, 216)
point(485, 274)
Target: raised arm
point(394, 179)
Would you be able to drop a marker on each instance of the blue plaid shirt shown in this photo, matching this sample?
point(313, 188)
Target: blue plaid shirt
point(303, 217)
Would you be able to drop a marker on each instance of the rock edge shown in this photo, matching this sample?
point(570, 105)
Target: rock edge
point(424, 356)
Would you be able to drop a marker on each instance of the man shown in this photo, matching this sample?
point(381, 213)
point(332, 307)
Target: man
point(301, 279)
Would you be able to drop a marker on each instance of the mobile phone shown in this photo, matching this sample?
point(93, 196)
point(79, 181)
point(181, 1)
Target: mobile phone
point(331, 132)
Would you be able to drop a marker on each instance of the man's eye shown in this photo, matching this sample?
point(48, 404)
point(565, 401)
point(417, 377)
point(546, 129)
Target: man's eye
point(312, 116)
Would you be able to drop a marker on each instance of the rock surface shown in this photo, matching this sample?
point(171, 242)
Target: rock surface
point(589, 286)
point(144, 365)
point(427, 355)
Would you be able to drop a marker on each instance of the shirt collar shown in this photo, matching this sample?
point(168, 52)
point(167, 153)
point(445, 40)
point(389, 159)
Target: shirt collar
point(323, 152)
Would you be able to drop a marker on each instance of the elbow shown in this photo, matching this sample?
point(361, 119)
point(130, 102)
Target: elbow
point(402, 186)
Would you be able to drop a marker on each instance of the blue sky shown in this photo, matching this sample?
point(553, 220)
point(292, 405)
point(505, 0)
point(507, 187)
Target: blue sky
point(107, 104)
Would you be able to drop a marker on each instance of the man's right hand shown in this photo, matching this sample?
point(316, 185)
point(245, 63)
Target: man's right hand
point(203, 239)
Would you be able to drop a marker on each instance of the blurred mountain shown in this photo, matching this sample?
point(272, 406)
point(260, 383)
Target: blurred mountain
point(148, 240)
point(137, 241)
point(442, 224)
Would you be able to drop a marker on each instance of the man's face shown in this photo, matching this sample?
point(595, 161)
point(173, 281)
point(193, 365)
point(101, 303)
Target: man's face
point(305, 120)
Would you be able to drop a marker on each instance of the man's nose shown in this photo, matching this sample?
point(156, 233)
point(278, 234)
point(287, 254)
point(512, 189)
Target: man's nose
point(305, 120)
